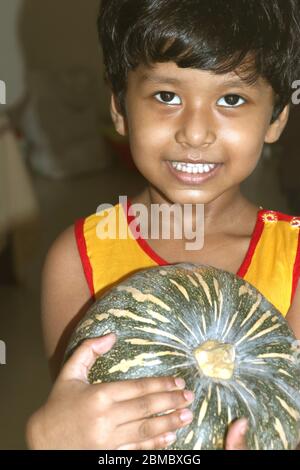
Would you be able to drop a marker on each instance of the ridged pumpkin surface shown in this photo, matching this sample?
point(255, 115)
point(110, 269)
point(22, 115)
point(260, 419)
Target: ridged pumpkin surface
point(217, 332)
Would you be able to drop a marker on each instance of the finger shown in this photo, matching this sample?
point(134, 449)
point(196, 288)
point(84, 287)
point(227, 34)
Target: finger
point(236, 437)
point(149, 405)
point(148, 429)
point(79, 364)
point(159, 442)
point(130, 389)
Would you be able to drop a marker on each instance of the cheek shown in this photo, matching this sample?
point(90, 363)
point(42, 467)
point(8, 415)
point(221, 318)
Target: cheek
point(148, 136)
point(245, 139)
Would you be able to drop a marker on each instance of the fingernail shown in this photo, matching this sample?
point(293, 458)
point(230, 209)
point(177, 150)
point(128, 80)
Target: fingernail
point(186, 416)
point(124, 448)
point(244, 427)
point(189, 396)
point(180, 383)
point(170, 438)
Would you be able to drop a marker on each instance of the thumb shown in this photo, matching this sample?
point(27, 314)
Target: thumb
point(82, 359)
point(236, 437)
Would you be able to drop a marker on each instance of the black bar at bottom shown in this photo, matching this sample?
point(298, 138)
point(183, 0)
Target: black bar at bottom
point(145, 459)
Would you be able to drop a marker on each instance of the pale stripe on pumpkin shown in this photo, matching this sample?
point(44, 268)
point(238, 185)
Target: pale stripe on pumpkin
point(291, 411)
point(252, 310)
point(156, 331)
point(221, 301)
point(125, 364)
point(202, 411)
point(103, 316)
point(284, 372)
point(192, 280)
point(128, 314)
point(146, 342)
point(229, 415)
point(205, 287)
point(287, 357)
point(256, 442)
point(189, 437)
point(86, 324)
point(235, 316)
point(247, 389)
point(198, 445)
point(219, 401)
point(216, 286)
point(265, 332)
point(181, 289)
point(245, 290)
point(158, 316)
point(255, 327)
point(278, 427)
point(141, 297)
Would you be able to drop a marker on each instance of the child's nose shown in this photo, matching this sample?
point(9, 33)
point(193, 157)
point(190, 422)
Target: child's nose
point(196, 129)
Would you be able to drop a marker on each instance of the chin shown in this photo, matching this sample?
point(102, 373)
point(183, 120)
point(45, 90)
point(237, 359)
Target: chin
point(190, 197)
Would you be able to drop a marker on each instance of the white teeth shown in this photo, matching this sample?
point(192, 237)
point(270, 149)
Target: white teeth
point(193, 168)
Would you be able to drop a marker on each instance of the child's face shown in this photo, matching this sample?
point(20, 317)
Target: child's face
point(188, 115)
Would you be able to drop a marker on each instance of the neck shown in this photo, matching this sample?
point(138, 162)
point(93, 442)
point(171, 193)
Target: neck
point(219, 215)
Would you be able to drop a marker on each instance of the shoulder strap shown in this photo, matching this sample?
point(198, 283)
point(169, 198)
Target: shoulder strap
point(107, 260)
point(274, 265)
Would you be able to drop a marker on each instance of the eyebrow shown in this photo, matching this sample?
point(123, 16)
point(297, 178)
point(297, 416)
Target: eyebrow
point(231, 82)
point(159, 79)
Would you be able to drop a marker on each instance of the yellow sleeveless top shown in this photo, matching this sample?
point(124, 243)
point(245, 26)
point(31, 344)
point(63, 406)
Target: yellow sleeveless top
point(272, 262)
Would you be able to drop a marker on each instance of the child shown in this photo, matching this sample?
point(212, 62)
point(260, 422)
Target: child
point(194, 83)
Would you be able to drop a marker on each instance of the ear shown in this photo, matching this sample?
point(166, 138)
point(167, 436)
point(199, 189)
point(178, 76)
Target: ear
point(276, 128)
point(117, 116)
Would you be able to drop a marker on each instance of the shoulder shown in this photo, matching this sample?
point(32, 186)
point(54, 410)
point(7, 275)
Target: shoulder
point(65, 295)
point(63, 258)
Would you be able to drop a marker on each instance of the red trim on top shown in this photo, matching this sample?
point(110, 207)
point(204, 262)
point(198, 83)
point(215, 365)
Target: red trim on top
point(282, 217)
point(81, 244)
point(255, 237)
point(296, 270)
point(142, 242)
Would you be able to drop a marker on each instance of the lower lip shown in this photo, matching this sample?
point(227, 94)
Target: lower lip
point(191, 178)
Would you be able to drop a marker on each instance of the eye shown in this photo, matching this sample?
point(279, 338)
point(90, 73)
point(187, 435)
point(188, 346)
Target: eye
point(231, 101)
point(167, 97)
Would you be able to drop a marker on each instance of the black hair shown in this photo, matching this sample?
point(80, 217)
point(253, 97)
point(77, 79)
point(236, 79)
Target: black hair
point(214, 35)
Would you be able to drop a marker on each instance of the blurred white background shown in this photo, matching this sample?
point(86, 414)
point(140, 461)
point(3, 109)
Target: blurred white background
point(11, 63)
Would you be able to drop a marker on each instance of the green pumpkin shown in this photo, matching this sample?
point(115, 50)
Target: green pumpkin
point(232, 347)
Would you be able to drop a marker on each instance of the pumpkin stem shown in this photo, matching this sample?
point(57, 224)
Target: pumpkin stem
point(216, 359)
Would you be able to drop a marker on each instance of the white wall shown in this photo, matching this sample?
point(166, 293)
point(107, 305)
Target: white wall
point(11, 66)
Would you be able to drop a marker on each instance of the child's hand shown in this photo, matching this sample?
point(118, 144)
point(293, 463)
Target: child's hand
point(78, 415)
point(236, 437)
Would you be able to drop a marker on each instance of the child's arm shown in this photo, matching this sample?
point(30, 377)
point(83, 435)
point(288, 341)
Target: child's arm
point(78, 415)
point(65, 297)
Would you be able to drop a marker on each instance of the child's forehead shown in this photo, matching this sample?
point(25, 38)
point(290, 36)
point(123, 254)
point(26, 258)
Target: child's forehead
point(170, 73)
